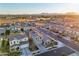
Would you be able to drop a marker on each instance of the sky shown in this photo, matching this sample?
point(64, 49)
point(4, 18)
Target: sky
point(35, 8)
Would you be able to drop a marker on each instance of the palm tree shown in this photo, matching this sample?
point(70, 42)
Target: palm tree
point(7, 32)
point(32, 46)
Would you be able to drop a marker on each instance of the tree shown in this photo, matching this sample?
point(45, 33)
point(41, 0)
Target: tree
point(15, 53)
point(2, 34)
point(47, 28)
point(7, 32)
point(7, 46)
point(22, 29)
point(55, 43)
point(3, 43)
point(30, 29)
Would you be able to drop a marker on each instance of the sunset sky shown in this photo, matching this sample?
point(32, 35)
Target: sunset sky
point(34, 8)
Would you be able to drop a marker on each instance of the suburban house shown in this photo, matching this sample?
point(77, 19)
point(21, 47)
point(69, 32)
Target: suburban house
point(36, 38)
point(45, 41)
point(2, 30)
point(26, 26)
point(49, 42)
point(15, 28)
point(18, 41)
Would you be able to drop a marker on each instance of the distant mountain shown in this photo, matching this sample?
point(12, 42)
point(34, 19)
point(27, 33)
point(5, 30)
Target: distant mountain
point(68, 13)
point(72, 13)
point(51, 13)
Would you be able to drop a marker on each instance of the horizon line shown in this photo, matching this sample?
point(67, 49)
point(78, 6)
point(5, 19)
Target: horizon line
point(40, 13)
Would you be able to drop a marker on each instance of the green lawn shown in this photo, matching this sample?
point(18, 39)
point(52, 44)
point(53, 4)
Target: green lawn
point(15, 53)
point(4, 47)
point(0, 43)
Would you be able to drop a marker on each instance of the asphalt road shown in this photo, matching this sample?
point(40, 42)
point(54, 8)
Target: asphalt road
point(25, 52)
point(63, 51)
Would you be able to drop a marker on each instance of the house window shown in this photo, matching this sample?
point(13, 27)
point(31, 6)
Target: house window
point(17, 42)
point(36, 38)
point(26, 38)
point(11, 42)
point(40, 37)
point(14, 42)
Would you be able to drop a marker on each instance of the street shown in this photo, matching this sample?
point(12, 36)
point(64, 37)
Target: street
point(66, 42)
point(58, 52)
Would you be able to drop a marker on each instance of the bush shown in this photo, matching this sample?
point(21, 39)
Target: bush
point(22, 29)
point(15, 53)
point(2, 34)
point(7, 32)
point(5, 45)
